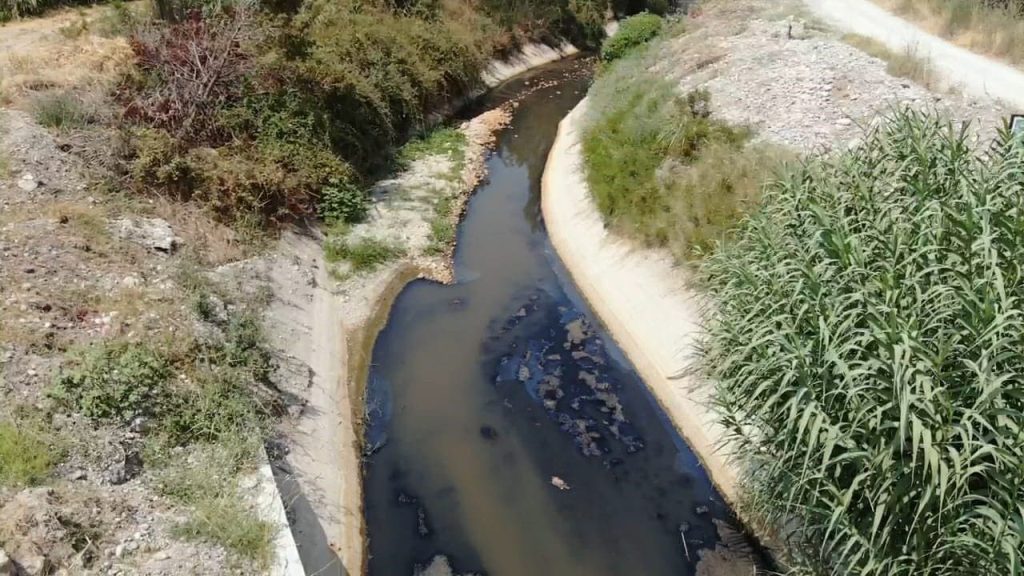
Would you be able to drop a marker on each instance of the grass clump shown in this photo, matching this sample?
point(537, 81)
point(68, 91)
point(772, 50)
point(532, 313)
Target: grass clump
point(906, 64)
point(661, 168)
point(27, 454)
point(446, 141)
point(61, 110)
point(867, 356)
point(207, 483)
point(364, 255)
point(633, 32)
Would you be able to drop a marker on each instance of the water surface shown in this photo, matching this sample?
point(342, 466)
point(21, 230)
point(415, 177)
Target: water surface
point(483, 391)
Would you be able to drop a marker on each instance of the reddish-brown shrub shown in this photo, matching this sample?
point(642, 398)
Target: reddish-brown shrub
point(188, 72)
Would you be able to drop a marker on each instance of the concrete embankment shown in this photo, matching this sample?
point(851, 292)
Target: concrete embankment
point(642, 296)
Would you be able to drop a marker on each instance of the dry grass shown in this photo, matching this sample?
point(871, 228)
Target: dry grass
point(211, 242)
point(970, 23)
point(907, 64)
point(38, 55)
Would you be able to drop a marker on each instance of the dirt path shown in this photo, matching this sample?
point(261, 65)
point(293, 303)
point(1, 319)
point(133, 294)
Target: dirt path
point(972, 73)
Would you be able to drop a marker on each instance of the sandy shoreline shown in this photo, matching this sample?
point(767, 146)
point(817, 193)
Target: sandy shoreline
point(640, 295)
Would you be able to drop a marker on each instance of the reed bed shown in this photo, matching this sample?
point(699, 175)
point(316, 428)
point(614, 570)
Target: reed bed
point(867, 346)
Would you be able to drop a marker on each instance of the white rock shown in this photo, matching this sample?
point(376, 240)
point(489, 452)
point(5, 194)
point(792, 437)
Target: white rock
point(6, 566)
point(28, 183)
point(559, 483)
point(153, 233)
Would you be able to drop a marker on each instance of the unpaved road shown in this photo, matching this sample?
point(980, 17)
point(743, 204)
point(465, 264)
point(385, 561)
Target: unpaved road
point(972, 73)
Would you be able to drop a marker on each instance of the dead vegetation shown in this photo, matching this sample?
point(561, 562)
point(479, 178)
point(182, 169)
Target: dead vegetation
point(906, 64)
point(994, 27)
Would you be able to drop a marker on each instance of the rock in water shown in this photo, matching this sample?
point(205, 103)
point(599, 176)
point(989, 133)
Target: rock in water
point(559, 483)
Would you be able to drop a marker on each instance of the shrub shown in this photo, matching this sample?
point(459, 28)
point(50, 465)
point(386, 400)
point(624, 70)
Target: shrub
point(26, 454)
point(188, 72)
point(867, 354)
point(661, 168)
point(113, 381)
point(633, 32)
point(343, 201)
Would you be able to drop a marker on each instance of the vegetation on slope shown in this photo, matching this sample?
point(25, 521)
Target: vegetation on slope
point(289, 116)
point(633, 32)
point(661, 168)
point(868, 358)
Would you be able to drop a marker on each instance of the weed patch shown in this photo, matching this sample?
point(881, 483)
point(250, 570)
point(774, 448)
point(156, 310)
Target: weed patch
point(207, 483)
point(661, 168)
point(634, 32)
point(113, 381)
point(364, 255)
point(446, 141)
point(906, 64)
point(442, 227)
point(27, 454)
point(61, 110)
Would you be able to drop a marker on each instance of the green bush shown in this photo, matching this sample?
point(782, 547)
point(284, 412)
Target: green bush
point(343, 201)
point(113, 381)
point(633, 32)
point(866, 347)
point(661, 168)
point(26, 454)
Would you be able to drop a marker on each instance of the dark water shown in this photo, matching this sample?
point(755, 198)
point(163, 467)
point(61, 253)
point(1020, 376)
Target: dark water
point(485, 390)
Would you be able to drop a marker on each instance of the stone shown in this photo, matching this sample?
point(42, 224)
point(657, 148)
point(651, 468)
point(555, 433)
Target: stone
point(559, 483)
point(844, 122)
point(28, 182)
point(34, 565)
point(153, 233)
point(6, 565)
point(488, 432)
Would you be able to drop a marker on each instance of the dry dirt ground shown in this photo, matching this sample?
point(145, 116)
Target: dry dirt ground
point(82, 263)
point(67, 277)
point(807, 90)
